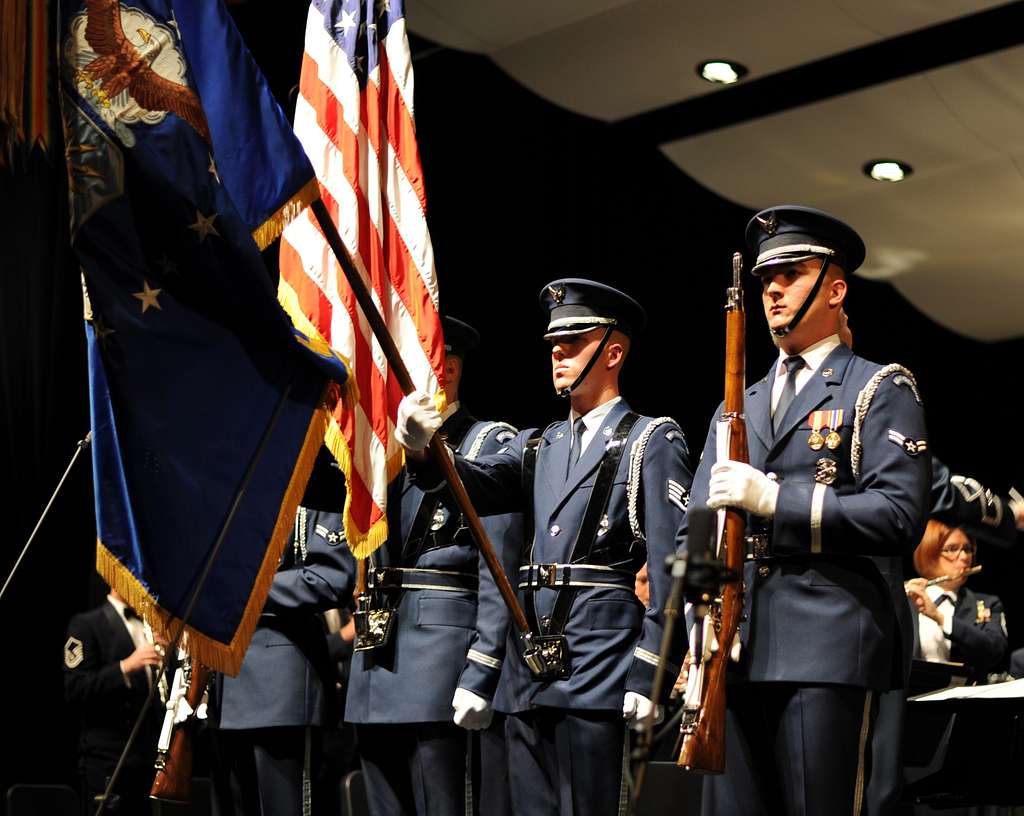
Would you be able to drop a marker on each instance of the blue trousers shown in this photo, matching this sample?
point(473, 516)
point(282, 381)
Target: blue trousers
point(567, 762)
point(793, 749)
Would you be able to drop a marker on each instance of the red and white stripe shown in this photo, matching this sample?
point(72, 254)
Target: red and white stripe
point(363, 148)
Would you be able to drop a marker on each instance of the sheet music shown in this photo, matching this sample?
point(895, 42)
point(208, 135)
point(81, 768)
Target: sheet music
point(995, 691)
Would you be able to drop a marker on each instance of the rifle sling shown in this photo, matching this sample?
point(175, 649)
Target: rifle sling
point(586, 536)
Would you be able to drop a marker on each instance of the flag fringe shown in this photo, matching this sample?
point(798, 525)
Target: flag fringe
point(361, 543)
point(267, 232)
point(219, 656)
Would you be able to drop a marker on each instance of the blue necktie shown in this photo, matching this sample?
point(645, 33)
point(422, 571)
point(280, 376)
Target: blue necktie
point(577, 443)
point(793, 365)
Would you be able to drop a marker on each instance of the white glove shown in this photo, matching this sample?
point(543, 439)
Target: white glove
point(636, 709)
point(472, 711)
point(735, 484)
point(417, 421)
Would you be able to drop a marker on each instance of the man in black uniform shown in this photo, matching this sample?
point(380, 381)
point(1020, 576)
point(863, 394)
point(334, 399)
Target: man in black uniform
point(108, 668)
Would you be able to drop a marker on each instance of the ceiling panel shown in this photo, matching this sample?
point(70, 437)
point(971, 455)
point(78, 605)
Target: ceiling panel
point(951, 237)
point(612, 60)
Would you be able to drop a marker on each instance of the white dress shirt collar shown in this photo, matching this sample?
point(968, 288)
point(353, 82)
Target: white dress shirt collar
point(814, 355)
point(449, 410)
point(591, 421)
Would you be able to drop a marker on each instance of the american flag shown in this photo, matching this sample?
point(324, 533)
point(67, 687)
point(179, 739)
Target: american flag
point(354, 117)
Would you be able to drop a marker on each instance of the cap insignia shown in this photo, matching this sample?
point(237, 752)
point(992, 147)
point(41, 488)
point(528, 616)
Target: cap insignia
point(557, 294)
point(769, 224)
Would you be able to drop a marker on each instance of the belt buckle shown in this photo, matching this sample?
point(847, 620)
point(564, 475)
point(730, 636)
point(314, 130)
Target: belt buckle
point(386, 578)
point(547, 575)
point(757, 546)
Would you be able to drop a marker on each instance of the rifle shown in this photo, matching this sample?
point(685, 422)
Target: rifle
point(703, 724)
point(173, 780)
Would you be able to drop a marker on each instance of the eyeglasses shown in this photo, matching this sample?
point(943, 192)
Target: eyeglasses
point(953, 550)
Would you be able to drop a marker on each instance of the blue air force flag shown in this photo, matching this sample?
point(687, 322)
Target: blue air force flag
point(181, 167)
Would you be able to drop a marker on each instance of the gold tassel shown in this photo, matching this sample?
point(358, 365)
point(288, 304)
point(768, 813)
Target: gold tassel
point(267, 232)
point(226, 657)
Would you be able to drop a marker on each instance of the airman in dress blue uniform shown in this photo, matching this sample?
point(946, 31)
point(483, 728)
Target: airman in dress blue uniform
point(446, 649)
point(604, 492)
point(837, 490)
point(267, 719)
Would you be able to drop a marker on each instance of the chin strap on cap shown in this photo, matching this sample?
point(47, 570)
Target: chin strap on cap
point(565, 392)
point(807, 301)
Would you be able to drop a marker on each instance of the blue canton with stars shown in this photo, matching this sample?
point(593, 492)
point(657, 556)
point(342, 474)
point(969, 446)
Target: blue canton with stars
point(358, 26)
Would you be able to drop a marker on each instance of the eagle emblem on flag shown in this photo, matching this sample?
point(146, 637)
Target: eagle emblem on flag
point(131, 78)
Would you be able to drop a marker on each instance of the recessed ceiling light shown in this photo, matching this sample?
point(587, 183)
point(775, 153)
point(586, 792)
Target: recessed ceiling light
point(887, 170)
point(721, 72)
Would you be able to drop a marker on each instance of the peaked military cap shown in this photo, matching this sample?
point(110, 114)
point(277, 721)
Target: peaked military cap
point(459, 338)
point(577, 305)
point(790, 234)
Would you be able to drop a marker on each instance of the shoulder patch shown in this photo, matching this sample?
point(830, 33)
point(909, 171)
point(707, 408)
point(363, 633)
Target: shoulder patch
point(74, 652)
point(504, 436)
point(673, 434)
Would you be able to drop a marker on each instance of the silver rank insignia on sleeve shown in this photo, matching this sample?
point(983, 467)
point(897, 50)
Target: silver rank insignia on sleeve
point(678, 495)
point(74, 653)
point(912, 447)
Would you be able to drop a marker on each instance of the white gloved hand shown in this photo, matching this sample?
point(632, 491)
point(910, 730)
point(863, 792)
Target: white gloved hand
point(472, 711)
point(736, 484)
point(636, 709)
point(417, 421)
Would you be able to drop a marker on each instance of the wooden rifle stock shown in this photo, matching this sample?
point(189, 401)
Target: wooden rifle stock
point(173, 780)
point(703, 732)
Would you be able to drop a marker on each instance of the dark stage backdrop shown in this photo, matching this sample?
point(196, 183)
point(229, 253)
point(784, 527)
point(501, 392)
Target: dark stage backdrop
point(519, 192)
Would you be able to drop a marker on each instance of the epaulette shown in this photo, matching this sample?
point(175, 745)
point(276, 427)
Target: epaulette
point(901, 376)
point(481, 437)
point(636, 461)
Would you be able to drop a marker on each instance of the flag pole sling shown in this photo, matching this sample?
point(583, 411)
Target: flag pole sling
point(172, 650)
point(437, 446)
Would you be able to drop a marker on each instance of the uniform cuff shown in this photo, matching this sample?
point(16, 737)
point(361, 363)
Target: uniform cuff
point(640, 679)
point(481, 673)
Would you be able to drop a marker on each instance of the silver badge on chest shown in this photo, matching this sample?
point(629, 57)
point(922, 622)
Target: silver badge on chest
point(825, 471)
point(440, 517)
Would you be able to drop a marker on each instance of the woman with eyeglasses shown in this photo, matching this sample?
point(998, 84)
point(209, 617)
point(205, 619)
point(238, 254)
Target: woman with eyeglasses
point(954, 622)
